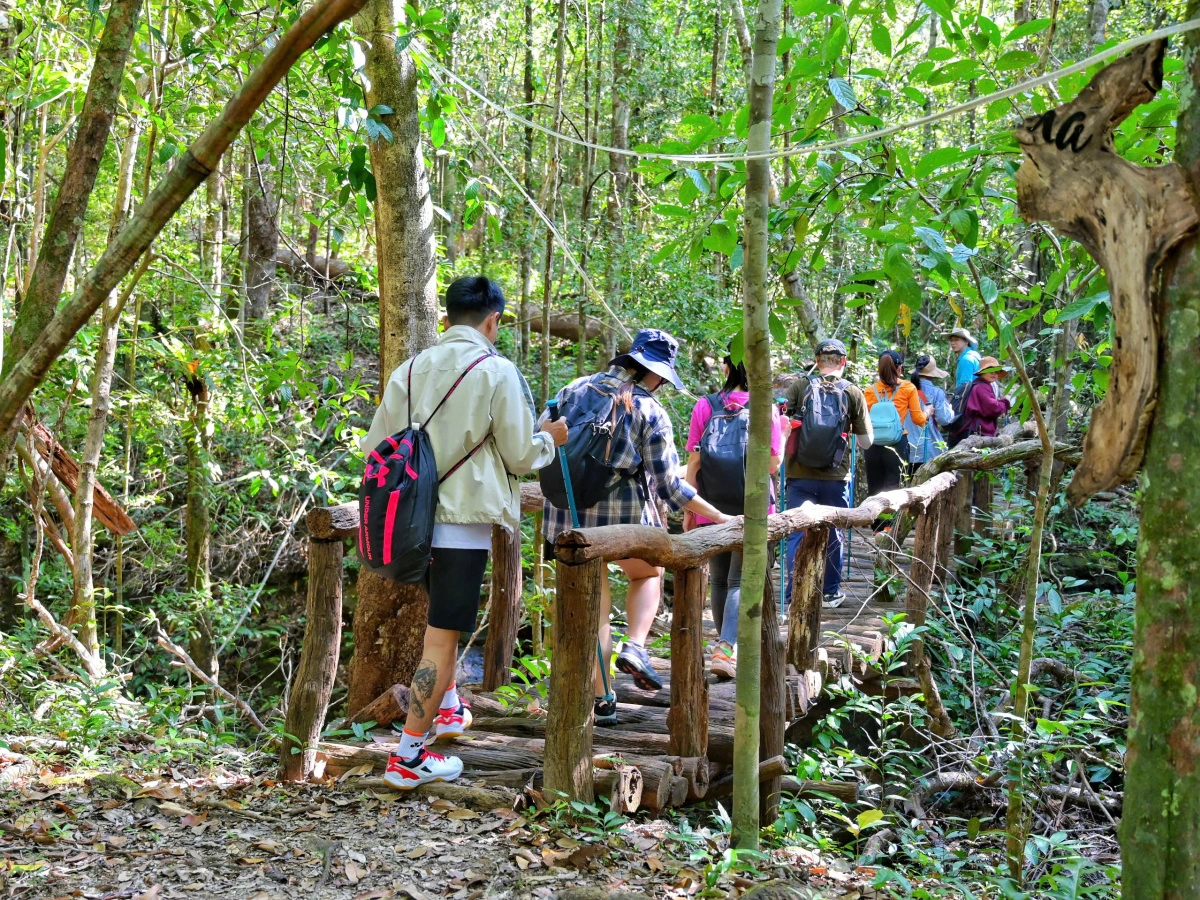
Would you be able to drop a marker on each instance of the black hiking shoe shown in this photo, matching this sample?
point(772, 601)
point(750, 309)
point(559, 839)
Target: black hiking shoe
point(634, 660)
point(605, 711)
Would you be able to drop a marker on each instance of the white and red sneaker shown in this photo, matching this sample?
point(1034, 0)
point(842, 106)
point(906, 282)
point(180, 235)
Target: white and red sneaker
point(451, 723)
point(404, 775)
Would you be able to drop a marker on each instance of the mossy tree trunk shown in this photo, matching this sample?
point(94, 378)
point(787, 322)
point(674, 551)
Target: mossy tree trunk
point(1160, 825)
point(756, 308)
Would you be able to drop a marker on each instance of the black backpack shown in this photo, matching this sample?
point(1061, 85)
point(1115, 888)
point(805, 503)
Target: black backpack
point(821, 424)
point(955, 430)
point(594, 418)
point(398, 496)
point(722, 476)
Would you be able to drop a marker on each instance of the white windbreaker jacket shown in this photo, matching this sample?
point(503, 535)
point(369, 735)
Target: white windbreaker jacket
point(492, 404)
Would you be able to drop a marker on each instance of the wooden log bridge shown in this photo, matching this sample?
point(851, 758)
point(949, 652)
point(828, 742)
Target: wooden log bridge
point(670, 745)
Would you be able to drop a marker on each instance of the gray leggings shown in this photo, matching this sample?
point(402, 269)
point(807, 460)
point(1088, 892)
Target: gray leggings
point(725, 582)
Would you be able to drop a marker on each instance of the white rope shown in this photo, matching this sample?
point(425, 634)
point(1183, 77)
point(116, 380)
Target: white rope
point(803, 149)
point(559, 236)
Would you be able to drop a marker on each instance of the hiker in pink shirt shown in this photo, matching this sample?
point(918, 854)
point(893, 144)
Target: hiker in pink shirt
point(725, 490)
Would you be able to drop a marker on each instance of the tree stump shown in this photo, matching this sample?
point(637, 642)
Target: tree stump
point(505, 617)
point(1128, 217)
point(804, 615)
point(688, 715)
point(568, 750)
point(309, 700)
point(389, 634)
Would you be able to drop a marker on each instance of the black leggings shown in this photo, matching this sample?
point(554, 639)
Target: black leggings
point(885, 468)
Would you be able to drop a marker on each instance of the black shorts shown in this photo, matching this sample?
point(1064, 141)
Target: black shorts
point(455, 582)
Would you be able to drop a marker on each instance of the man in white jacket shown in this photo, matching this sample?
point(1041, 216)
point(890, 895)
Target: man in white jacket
point(487, 421)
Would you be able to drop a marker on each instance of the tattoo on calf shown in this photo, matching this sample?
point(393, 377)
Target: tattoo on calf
point(423, 684)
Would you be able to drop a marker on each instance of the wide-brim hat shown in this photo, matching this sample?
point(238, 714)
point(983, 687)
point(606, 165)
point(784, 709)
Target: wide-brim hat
point(656, 350)
point(991, 364)
point(961, 333)
point(931, 370)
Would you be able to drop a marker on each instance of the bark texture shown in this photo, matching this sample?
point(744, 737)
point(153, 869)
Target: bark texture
point(405, 241)
point(688, 717)
point(389, 632)
point(756, 308)
point(1160, 824)
point(262, 238)
point(505, 617)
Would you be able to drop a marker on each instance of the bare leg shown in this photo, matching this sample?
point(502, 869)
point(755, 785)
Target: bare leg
point(641, 606)
point(432, 678)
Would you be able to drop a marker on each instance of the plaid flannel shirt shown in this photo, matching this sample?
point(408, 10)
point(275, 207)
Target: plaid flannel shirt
point(649, 443)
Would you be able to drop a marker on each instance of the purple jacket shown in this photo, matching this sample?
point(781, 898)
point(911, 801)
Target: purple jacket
point(984, 409)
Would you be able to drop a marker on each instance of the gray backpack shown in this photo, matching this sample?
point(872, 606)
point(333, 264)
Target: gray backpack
point(821, 424)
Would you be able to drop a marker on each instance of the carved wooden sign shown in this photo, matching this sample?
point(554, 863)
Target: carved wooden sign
point(1128, 217)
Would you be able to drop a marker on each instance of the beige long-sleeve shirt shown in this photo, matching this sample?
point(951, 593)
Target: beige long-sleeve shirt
point(492, 405)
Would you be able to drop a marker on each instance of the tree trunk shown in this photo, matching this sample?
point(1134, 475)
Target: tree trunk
point(773, 721)
point(83, 601)
point(262, 238)
point(527, 179)
point(1098, 22)
point(390, 619)
point(152, 216)
point(197, 439)
point(756, 305)
point(804, 613)
point(505, 618)
point(79, 177)
point(1160, 825)
point(389, 633)
point(552, 184)
point(405, 243)
point(618, 164)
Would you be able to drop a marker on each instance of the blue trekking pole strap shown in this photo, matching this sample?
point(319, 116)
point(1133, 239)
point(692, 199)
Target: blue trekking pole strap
point(553, 411)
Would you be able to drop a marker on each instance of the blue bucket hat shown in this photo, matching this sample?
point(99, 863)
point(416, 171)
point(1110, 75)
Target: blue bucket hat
point(656, 350)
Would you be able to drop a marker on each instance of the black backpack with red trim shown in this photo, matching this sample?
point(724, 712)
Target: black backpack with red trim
point(398, 496)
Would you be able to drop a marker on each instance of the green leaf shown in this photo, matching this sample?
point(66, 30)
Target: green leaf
point(930, 238)
point(437, 132)
point(869, 817)
point(937, 159)
point(778, 330)
point(380, 109)
point(1015, 59)
point(404, 40)
point(735, 259)
point(973, 828)
point(943, 8)
point(881, 38)
point(843, 93)
point(698, 180)
point(1031, 27)
point(1081, 306)
point(988, 290)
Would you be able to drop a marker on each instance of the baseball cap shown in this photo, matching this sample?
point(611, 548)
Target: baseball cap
point(831, 345)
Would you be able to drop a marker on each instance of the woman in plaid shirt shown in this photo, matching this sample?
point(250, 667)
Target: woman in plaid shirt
point(643, 449)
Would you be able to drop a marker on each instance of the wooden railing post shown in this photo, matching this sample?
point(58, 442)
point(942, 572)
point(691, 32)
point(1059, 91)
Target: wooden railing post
point(309, 700)
point(924, 559)
point(505, 616)
point(568, 749)
point(804, 615)
point(772, 725)
point(945, 551)
point(688, 716)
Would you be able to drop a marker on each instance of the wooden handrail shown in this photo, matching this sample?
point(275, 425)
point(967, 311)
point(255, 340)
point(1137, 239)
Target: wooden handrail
point(686, 551)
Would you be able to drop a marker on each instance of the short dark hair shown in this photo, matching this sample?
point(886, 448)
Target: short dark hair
point(472, 298)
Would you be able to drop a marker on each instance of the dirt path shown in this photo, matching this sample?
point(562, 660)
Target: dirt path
point(110, 838)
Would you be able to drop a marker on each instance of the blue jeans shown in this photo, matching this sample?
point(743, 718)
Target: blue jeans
point(824, 493)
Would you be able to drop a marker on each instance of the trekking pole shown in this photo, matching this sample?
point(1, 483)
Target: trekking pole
point(552, 410)
point(853, 478)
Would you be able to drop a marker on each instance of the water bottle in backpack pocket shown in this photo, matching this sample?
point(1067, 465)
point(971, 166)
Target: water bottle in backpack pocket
point(722, 476)
point(595, 420)
point(821, 426)
point(885, 420)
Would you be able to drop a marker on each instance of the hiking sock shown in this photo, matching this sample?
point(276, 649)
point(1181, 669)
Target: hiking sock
point(450, 698)
point(632, 643)
point(411, 745)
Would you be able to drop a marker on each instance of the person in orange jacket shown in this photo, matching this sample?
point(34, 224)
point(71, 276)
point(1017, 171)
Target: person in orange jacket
point(885, 461)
